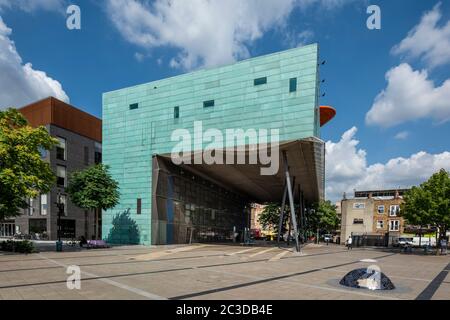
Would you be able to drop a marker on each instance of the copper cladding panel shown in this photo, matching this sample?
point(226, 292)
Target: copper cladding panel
point(63, 115)
point(39, 113)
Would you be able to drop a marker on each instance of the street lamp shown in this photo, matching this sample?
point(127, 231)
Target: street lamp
point(60, 206)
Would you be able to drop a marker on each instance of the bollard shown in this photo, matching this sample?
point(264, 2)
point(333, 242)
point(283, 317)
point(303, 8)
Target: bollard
point(59, 245)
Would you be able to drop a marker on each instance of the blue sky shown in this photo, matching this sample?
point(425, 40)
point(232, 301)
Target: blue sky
point(114, 50)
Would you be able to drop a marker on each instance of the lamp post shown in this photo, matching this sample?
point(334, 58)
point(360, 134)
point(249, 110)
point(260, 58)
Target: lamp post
point(60, 206)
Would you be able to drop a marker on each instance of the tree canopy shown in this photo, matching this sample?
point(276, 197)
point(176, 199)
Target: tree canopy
point(324, 217)
point(270, 217)
point(93, 188)
point(429, 203)
point(23, 172)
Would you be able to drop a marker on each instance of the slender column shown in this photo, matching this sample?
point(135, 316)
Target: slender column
point(291, 200)
point(300, 208)
point(283, 204)
point(290, 220)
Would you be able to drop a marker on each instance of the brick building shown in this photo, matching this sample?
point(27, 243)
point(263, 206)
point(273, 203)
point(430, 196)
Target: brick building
point(372, 213)
point(80, 137)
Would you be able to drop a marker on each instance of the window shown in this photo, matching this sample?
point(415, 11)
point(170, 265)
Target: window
point(98, 153)
point(380, 209)
point(61, 176)
point(292, 84)
point(86, 156)
point(31, 207)
point(260, 81)
point(139, 206)
point(44, 204)
point(208, 104)
point(394, 225)
point(37, 226)
point(359, 205)
point(176, 112)
point(358, 221)
point(61, 149)
point(64, 202)
point(134, 106)
point(394, 210)
point(380, 224)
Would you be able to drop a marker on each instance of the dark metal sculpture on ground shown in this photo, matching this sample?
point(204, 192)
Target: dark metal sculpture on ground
point(370, 278)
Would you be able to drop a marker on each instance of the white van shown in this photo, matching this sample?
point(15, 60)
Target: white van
point(425, 241)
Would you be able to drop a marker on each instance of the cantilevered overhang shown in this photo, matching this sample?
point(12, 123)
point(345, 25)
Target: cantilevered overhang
point(305, 160)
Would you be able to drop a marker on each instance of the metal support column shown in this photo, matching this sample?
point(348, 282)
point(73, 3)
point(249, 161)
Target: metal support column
point(283, 204)
point(301, 212)
point(288, 239)
point(291, 200)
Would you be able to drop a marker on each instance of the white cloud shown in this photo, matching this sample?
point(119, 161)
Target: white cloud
point(347, 168)
point(20, 83)
point(403, 135)
point(299, 39)
point(32, 5)
point(207, 32)
point(409, 95)
point(139, 56)
point(428, 40)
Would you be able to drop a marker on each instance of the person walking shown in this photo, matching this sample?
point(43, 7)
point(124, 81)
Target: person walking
point(349, 243)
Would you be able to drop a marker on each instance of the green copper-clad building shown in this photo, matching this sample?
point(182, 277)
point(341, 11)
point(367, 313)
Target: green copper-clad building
point(163, 202)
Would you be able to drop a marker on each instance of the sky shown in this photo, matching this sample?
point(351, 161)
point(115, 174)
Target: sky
point(390, 87)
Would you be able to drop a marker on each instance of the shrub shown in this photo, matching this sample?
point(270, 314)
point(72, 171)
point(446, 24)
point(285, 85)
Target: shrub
point(18, 246)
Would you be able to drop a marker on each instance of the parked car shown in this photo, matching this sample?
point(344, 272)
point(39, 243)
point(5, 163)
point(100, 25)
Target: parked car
point(405, 241)
point(328, 238)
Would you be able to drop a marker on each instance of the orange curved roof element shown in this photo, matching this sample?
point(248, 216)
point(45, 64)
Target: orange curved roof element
point(326, 114)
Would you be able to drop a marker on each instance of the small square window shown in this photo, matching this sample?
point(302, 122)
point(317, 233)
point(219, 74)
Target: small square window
point(208, 104)
point(380, 224)
point(176, 112)
point(380, 209)
point(134, 106)
point(292, 84)
point(260, 81)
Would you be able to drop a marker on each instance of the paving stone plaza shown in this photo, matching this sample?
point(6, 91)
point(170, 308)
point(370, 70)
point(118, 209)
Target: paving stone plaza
point(204, 271)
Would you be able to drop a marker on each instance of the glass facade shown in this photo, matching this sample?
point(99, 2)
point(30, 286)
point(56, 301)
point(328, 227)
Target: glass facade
point(191, 208)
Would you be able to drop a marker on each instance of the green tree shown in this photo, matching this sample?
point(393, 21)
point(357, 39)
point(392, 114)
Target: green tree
point(429, 203)
point(23, 173)
point(324, 217)
point(94, 189)
point(270, 217)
